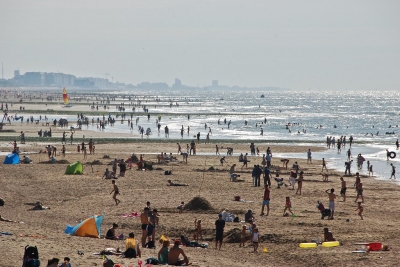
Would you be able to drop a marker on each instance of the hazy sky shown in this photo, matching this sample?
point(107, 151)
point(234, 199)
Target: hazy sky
point(327, 45)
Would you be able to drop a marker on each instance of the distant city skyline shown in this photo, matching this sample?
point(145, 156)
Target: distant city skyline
point(301, 45)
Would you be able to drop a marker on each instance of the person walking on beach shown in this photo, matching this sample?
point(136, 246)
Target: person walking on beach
point(360, 190)
point(116, 192)
point(397, 144)
point(332, 197)
point(309, 156)
point(219, 233)
point(393, 174)
point(343, 189)
point(266, 200)
point(351, 140)
point(387, 154)
point(360, 210)
point(324, 165)
point(300, 180)
point(348, 154)
point(216, 150)
point(198, 138)
point(179, 148)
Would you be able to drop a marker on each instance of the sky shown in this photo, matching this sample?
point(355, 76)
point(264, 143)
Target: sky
point(301, 45)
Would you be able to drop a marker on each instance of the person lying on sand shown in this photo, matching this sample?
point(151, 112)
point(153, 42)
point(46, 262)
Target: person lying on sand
point(39, 206)
point(6, 220)
point(170, 183)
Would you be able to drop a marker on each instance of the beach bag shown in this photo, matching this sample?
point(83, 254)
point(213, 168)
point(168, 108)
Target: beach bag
point(31, 257)
point(1, 202)
point(236, 219)
point(130, 253)
point(152, 261)
point(108, 263)
point(150, 244)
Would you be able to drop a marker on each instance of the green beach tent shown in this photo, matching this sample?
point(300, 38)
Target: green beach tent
point(74, 168)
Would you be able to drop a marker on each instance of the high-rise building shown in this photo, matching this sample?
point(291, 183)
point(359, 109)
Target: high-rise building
point(16, 73)
point(177, 83)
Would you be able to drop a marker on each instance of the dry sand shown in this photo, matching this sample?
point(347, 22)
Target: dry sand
point(76, 197)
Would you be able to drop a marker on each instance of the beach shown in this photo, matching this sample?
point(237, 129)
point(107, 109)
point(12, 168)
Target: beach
point(73, 198)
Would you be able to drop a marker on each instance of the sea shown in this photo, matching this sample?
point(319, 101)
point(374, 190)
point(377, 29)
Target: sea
point(263, 117)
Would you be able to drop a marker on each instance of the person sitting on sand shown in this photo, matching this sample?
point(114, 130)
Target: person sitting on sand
point(163, 253)
point(170, 183)
point(174, 253)
point(249, 216)
point(328, 236)
point(111, 232)
point(132, 249)
point(66, 262)
point(26, 160)
point(107, 174)
point(53, 262)
point(39, 206)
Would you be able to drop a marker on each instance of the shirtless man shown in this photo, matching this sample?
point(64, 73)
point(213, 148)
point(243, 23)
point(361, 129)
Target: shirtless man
point(343, 189)
point(324, 165)
point(359, 191)
point(144, 219)
point(174, 253)
point(332, 198)
point(116, 192)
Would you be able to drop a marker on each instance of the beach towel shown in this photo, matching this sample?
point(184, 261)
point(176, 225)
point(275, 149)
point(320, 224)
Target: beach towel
point(131, 215)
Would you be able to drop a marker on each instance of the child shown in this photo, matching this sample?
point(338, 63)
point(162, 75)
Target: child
point(360, 210)
point(255, 238)
point(180, 207)
point(198, 228)
point(325, 177)
point(116, 192)
point(328, 236)
point(243, 236)
point(66, 262)
point(288, 206)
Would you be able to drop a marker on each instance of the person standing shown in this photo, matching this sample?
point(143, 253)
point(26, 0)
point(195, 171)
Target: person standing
point(324, 165)
point(309, 156)
point(397, 144)
point(348, 154)
point(267, 176)
point(266, 200)
point(343, 189)
point(332, 198)
point(300, 180)
point(116, 192)
point(393, 174)
point(219, 234)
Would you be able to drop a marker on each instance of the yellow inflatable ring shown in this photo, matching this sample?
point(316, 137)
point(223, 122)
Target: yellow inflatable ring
point(308, 245)
point(330, 244)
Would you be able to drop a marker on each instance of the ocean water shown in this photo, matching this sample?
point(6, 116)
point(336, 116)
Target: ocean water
point(285, 117)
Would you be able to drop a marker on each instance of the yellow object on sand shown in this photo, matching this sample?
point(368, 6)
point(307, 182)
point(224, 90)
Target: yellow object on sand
point(163, 238)
point(265, 250)
point(308, 245)
point(331, 244)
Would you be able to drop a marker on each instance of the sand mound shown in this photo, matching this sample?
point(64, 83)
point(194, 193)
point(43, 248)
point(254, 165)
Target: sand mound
point(233, 236)
point(198, 203)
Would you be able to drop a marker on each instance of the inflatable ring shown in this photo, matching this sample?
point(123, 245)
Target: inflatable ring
point(308, 245)
point(392, 155)
point(330, 244)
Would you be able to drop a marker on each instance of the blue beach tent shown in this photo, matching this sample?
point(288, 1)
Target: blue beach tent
point(11, 159)
point(88, 228)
